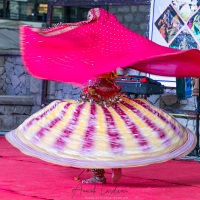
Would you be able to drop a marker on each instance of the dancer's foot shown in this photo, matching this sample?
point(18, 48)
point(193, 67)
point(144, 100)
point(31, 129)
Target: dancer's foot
point(116, 174)
point(95, 180)
point(98, 176)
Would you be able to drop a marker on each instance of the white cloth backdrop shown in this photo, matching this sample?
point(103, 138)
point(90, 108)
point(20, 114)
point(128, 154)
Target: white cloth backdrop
point(175, 24)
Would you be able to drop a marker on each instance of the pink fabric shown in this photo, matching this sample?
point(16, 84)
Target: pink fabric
point(80, 51)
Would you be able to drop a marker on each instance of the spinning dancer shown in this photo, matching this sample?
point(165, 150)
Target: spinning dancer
point(105, 129)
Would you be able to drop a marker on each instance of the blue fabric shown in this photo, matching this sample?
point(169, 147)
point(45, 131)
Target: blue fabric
point(183, 88)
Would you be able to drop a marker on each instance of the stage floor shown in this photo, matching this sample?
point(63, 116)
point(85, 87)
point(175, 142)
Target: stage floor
point(27, 178)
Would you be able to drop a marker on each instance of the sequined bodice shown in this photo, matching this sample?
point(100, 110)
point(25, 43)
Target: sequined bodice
point(102, 91)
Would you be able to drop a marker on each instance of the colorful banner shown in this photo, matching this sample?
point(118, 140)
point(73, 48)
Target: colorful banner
point(175, 24)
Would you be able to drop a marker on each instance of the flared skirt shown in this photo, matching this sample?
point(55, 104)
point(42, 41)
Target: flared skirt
point(86, 135)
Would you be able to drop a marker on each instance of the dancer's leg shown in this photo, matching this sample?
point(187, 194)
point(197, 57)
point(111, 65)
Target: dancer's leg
point(116, 174)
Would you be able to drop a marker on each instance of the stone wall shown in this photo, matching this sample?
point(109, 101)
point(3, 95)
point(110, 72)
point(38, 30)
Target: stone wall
point(57, 90)
point(14, 110)
point(14, 80)
point(20, 93)
point(134, 17)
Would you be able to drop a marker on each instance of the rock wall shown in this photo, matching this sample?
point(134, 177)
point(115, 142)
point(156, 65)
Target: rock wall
point(20, 93)
point(135, 17)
